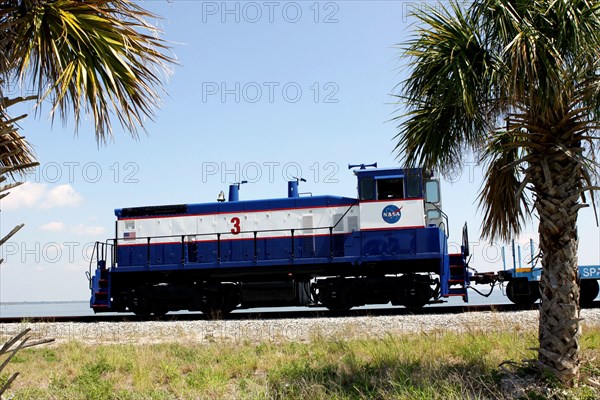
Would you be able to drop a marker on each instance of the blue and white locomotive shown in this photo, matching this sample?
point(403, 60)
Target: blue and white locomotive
point(387, 245)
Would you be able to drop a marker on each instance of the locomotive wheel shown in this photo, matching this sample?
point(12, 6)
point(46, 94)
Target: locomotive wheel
point(140, 311)
point(335, 298)
point(523, 292)
point(144, 311)
point(143, 307)
point(159, 312)
point(139, 306)
point(214, 312)
point(218, 304)
point(415, 292)
point(416, 298)
point(588, 290)
point(338, 306)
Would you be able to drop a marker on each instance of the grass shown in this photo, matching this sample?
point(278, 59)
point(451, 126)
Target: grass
point(426, 366)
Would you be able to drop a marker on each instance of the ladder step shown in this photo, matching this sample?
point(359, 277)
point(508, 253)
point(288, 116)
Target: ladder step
point(101, 296)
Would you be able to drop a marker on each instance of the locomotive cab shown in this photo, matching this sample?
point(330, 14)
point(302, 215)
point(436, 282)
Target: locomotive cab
point(391, 185)
point(388, 184)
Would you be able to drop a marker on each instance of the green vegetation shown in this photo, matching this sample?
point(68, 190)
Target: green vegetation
point(424, 366)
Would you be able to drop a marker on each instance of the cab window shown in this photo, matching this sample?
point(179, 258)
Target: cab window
point(366, 189)
point(432, 191)
point(389, 189)
point(413, 185)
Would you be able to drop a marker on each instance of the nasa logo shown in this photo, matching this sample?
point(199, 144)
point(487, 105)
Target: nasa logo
point(391, 214)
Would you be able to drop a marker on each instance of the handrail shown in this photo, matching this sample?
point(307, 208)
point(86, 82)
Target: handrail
point(444, 215)
point(94, 251)
point(255, 237)
point(218, 233)
point(100, 253)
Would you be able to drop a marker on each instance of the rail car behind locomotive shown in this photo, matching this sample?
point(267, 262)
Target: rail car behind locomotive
point(523, 283)
point(389, 244)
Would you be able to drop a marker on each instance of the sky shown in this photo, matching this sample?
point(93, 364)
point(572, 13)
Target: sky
point(264, 91)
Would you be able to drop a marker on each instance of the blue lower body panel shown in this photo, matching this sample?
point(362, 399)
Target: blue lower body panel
point(403, 266)
point(210, 253)
point(417, 250)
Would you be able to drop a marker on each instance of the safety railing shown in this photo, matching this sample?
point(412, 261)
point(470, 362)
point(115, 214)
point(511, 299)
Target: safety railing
point(223, 237)
point(99, 257)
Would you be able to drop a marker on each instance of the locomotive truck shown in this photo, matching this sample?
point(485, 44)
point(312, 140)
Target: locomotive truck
point(387, 245)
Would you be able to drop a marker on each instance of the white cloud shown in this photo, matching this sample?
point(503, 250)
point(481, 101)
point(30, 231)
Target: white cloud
point(82, 229)
point(62, 196)
point(53, 226)
point(27, 195)
point(37, 195)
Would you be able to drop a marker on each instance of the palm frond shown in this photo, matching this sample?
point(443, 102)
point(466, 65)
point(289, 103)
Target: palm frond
point(447, 93)
point(16, 155)
point(97, 57)
point(502, 198)
point(539, 43)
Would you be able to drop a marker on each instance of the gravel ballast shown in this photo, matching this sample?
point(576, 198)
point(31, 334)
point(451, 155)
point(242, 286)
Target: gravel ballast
point(283, 330)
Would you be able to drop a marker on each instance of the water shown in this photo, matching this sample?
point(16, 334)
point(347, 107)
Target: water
point(82, 308)
point(45, 309)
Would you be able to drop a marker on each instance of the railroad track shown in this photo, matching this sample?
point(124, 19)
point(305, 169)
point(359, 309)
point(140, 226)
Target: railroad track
point(273, 315)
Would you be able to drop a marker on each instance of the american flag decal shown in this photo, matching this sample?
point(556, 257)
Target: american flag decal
point(129, 235)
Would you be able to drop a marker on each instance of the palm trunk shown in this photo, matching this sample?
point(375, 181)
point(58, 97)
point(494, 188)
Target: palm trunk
point(557, 187)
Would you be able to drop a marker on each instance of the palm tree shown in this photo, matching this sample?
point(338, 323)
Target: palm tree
point(93, 57)
point(518, 85)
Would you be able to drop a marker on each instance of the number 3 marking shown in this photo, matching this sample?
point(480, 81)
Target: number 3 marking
point(236, 225)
